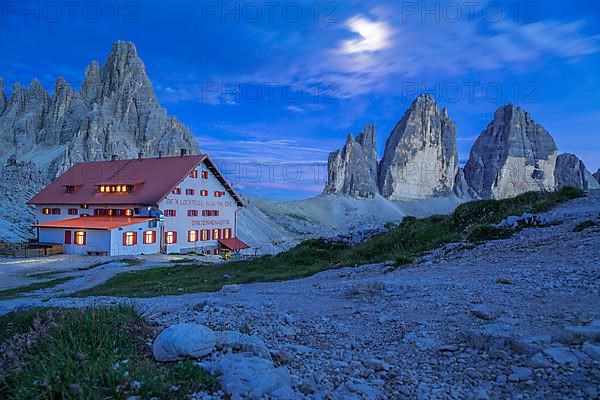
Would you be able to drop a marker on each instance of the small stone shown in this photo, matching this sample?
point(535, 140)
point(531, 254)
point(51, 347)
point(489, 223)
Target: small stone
point(538, 361)
point(561, 355)
point(230, 289)
point(521, 374)
point(483, 312)
point(506, 281)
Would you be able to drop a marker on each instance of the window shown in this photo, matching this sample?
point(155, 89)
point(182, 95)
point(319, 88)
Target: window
point(176, 191)
point(204, 174)
point(115, 188)
point(46, 211)
point(170, 213)
point(56, 211)
point(149, 237)
point(216, 234)
point(80, 237)
point(128, 213)
point(216, 252)
point(170, 237)
point(129, 238)
point(227, 233)
point(73, 211)
point(189, 192)
point(210, 213)
point(70, 189)
point(192, 236)
point(194, 174)
point(204, 193)
point(85, 206)
point(219, 194)
point(100, 212)
point(192, 213)
point(204, 234)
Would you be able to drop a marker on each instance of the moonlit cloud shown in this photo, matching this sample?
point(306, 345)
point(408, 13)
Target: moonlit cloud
point(374, 35)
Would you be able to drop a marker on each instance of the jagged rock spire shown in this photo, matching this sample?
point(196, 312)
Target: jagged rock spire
point(353, 169)
point(571, 171)
point(91, 86)
point(420, 158)
point(511, 156)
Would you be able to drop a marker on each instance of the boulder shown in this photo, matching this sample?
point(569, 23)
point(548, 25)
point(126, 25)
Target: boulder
point(183, 341)
point(511, 156)
point(561, 355)
point(244, 376)
point(420, 158)
point(571, 171)
point(238, 342)
point(353, 169)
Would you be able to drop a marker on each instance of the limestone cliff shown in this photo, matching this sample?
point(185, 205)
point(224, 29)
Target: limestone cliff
point(571, 171)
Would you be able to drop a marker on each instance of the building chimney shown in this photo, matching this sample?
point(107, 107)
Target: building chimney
point(140, 155)
point(159, 154)
point(183, 152)
point(113, 157)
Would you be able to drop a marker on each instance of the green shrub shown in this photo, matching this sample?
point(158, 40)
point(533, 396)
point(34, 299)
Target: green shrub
point(482, 233)
point(403, 260)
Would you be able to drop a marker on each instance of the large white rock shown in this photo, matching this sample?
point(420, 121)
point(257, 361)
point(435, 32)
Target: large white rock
point(183, 341)
point(244, 376)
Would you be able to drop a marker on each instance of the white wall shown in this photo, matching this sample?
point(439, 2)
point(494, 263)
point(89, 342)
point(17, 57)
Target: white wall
point(226, 205)
point(118, 249)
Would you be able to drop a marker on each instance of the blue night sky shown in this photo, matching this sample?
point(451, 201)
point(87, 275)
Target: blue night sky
point(269, 93)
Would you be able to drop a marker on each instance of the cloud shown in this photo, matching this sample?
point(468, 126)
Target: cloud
point(374, 35)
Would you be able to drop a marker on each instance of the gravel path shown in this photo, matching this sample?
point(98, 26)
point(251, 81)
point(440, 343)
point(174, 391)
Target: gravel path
point(516, 318)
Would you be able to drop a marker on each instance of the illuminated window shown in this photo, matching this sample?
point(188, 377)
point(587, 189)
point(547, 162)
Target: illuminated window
point(216, 234)
point(219, 194)
point(204, 174)
point(192, 236)
point(80, 238)
point(85, 206)
point(73, 211)
point(227, 233)
point(204, 193)
point(129, 238)
point(189, 192)
point(149, 237)
point(46, 211)
point(204, 234)
point(194, 174)
point(115, 188)
point(176, 191)
point(128, 213)
point(170, 237)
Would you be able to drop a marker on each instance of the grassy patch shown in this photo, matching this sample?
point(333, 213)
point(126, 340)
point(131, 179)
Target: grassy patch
point(92, 353)
point(298, 217)
point(131, 261)
point(14, 292)
point(412, 238)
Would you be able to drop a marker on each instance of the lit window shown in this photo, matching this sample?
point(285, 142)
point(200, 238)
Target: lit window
point(170, 237)
point(176, 191)
point(80, 238)
point(192, 236)
point(216, 234)
point(128, 213)
point(194, 174)
point(129, 238)
point(102, 189)
point(204, 234)
point(46, 211)
point(227, 233)
point(204, 193)
point(204, 174)
point(149, 237)
point(85, 206)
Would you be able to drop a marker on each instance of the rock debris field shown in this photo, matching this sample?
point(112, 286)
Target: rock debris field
point(516, 318)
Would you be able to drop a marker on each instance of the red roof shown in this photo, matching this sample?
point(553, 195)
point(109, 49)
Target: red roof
point(152, 178)
point(97, 223)
point(233, 244)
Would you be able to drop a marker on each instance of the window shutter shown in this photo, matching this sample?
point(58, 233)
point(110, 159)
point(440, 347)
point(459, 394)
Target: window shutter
point(135, 235)
point(67, 237)
point(84, 238)
point(153, 236)
point(124, 238)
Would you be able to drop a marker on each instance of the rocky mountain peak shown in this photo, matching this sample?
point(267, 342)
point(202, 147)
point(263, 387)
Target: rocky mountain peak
point(353, 169)
point(3, 100)
point(511, 156)
point(571, 171)
point(420, 158)
point(597, 175)
point(91, 83)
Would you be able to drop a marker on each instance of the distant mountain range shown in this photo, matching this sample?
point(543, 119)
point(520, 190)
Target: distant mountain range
point(116, 113)
point(511, 156)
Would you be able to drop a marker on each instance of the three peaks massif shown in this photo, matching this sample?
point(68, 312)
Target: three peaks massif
point(116, 112)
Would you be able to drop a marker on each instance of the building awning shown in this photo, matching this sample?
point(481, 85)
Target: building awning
point(95, 223)
point(233, 244)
